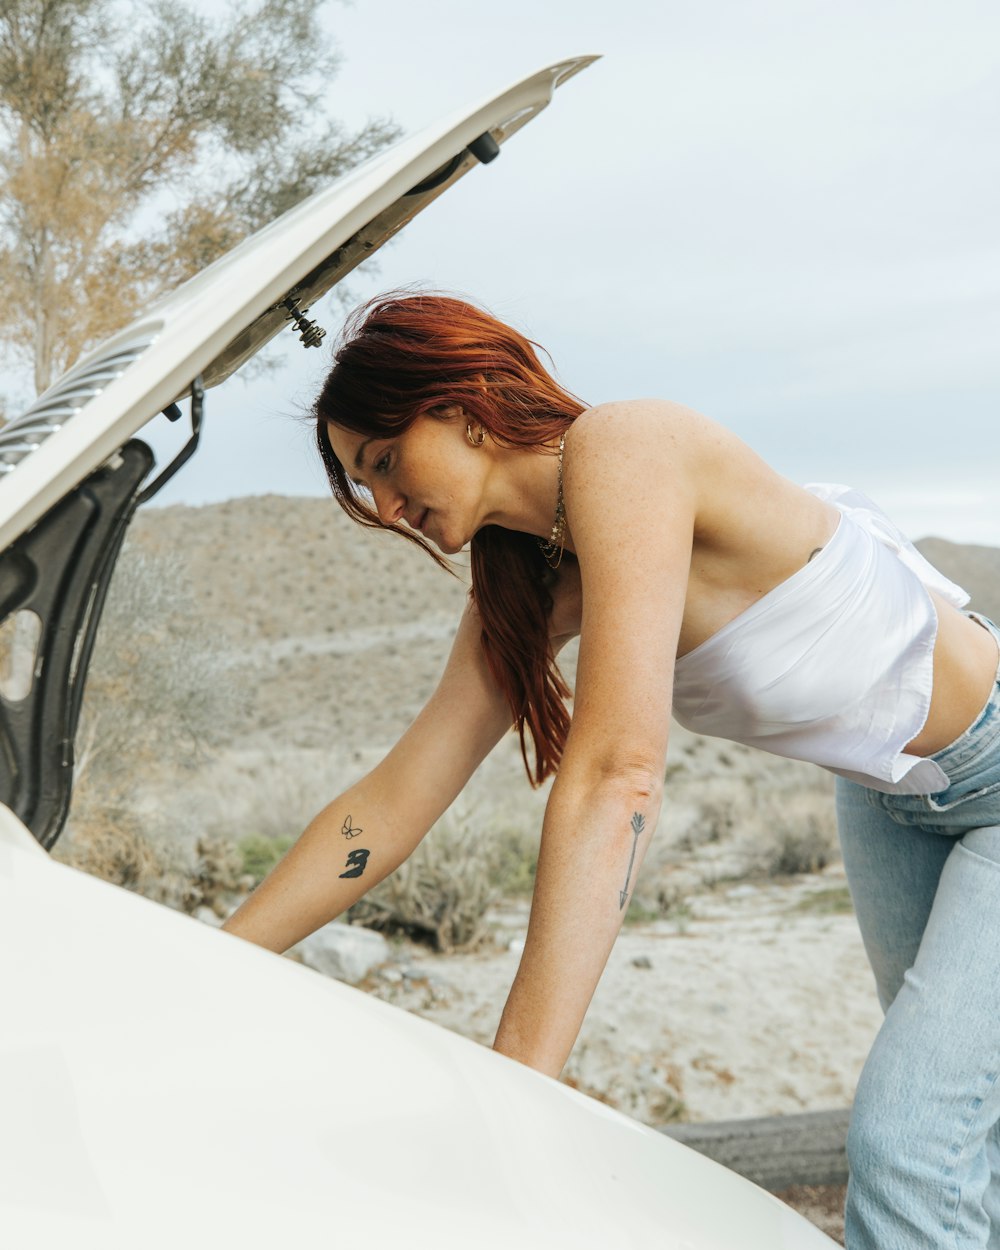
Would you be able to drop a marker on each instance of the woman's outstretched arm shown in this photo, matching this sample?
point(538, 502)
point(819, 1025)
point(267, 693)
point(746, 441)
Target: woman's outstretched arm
point(631, 474)
point(368, 831)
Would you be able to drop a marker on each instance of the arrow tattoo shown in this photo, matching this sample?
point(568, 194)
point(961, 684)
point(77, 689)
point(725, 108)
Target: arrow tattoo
point(638, 824)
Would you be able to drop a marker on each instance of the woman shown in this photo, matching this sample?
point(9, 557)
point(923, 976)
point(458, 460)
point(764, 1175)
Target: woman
point(794, 619)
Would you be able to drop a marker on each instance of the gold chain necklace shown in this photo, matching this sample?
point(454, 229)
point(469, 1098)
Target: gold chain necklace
point(552, 547)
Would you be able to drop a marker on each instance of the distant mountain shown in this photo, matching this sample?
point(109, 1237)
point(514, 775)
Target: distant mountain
point(977, 569)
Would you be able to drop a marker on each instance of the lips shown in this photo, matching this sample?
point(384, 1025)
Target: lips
point(419, 523)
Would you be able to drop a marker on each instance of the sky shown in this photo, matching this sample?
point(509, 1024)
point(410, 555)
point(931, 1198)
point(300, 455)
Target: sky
point(782, 213)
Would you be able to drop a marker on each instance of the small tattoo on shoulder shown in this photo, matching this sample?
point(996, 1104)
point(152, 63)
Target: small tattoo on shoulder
point(349, 831)
point(356, 862)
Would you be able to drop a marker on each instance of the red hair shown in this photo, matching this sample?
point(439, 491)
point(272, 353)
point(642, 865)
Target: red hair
point(405, 355)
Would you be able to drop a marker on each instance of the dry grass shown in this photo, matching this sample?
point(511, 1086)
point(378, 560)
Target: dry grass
point(443, 892)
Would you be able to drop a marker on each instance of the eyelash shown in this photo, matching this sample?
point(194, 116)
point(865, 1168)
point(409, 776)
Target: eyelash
point(380, 466)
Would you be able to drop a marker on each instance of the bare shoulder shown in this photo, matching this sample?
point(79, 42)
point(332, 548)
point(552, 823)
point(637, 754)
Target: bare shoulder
point(661, 418)
point(654, 440)
point(631, 476)
point(671, 471)
point(652, 429)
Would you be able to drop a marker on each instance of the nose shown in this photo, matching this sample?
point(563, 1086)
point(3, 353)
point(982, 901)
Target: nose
point(389, 503)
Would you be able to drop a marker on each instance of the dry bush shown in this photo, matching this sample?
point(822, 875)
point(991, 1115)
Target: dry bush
point(804, 849)
point(159, 692)
point(772, 820)
point(260, 854)
point(114, 848)
point(159, 685)
point(216, 877)
point(791, 833)
point(441, 894)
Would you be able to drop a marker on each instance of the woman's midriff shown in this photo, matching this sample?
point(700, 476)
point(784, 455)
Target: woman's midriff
point(965, 668)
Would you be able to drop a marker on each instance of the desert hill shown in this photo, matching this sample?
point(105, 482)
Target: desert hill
point(976, 568)
point(336, 628)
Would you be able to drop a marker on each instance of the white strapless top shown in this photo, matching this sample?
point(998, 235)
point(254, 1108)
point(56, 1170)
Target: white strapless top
point(834, 665)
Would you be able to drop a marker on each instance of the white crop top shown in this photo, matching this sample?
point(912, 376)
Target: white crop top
point(834, 665)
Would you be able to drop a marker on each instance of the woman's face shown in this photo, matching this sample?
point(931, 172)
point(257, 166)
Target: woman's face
point(430, 477)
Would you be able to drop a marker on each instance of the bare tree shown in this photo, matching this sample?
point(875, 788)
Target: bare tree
point(138, 143)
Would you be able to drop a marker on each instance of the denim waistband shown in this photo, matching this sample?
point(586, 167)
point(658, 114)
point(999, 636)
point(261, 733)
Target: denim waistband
point(984, 730)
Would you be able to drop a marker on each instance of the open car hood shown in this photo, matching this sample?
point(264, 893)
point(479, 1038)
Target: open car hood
point(221, 317)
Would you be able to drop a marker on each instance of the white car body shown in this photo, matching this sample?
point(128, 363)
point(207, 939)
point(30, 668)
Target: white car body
point(163, 1084)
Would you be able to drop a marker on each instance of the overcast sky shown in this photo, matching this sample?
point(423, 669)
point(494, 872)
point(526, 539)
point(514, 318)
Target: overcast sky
point(783, 213)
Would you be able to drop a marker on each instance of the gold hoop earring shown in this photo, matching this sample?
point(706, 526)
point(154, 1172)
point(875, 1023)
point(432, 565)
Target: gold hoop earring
point(482, 435)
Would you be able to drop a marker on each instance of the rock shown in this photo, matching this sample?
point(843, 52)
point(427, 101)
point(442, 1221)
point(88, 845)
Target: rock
point(516, 945)
point(642, 961)
point(207, 916)
point(347, 952)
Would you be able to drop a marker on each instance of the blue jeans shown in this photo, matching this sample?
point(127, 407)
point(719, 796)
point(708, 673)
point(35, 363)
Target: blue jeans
point(924, 872)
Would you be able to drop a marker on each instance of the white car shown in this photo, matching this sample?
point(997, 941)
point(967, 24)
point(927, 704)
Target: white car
point(166, 1084)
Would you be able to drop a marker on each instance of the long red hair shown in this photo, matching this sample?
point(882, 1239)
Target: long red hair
point(404, 355)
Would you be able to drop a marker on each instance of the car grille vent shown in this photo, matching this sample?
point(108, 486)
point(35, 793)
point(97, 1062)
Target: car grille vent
point(60, 403)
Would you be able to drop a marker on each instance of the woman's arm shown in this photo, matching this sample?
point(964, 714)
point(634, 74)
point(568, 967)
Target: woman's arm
point(363, 835)
point(631, 474)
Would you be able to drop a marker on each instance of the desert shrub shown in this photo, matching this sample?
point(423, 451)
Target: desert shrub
point(716, 819)
point(260, 854)
point(159, 682)
point(117, 849)
point(790, 833)
point(215, 877)
point(113, 847)
point(639, 912)
point(441, 894)
point(797, 849)
point(515, 862)
point(159, 691)
point(832, 901)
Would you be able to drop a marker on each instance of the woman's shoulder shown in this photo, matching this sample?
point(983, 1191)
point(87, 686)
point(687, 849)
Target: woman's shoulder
point(636, 461)
point(661, 432)
point(717, 477)
point(662, 412)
